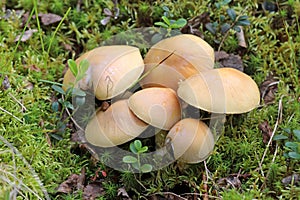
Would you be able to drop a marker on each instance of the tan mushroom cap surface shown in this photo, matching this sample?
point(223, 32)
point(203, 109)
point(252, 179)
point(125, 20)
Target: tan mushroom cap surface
point(114, 126)
point(190, 55)
point(156, 106)
point(112, 70)
point(222, 90)
point(192, 140)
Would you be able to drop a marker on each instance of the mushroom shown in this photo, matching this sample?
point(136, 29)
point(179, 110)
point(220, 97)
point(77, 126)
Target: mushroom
point(112, 70)
point(156, 106)
point(114, 126)
point(189, 55)
point(223, 90)
point(191, 140)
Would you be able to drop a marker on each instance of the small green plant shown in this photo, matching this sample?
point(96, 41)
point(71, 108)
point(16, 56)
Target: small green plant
point(220, 28)
point(137, 148)
point(170, 23)
point(77, 94)
point(292, 143)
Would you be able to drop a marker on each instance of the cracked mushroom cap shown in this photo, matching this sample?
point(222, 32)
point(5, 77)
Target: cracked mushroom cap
point(114, 126)
point(112, 70)
point(156, 106)
point(190, 55)
point(191, 139)
point(223, 90)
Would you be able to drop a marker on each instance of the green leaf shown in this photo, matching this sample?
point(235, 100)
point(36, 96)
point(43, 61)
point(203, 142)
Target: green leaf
point(136, 166)
point(243, 17)
point(209, 26)
point(73, 67)
point(55, 106)
point(231, 13)
point(294, 155)
point(132, 148)
point(84, 66)
point(297, 134)
point(146, 168)
point(161, 24)
point(166, 20)
point(143, 149)
point(78, 92)
point(58, 89)
point(179, 23)
point(67, 104)
point(79, 100)
point(292, 145)
point(245, 22)
point(280, 137)
point(225, 27)
point(237, 28)
point(129, 159)
point(137, 145)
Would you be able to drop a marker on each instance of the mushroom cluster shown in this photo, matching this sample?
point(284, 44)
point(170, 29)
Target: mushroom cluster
point(175, 71)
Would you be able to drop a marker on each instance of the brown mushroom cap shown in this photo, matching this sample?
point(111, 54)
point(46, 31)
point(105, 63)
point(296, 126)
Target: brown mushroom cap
point(223, 90)
point(113, 69)
point(191, 139)
point(115, 126)
point(156, 106)
point(190, 55)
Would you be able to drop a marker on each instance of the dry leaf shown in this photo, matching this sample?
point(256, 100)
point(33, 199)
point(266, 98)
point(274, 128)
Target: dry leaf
point(69, 185)
point(122, 193)
point(5, 83)
point(229, 60)
point(268, 89)
point(92, 191)
point(266, 131)
point(26, 36)
point(295, 178)
point(49, 18)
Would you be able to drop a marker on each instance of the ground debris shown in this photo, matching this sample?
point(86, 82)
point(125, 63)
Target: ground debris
point(268, 89)
point(76, 183)
point(49, 18)
point(123, 193)
point(229, 60)
point(26, 36)
point(69, 185)
point(294, 178)
point(5, 83)
point(92, 191)
point(266, 131)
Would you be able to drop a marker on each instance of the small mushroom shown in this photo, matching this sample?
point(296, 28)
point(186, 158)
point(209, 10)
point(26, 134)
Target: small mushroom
point(114, 126)
point(223, 90)
point(189, 55)
point(156, 106)
point(112, 70)
point(191, 139)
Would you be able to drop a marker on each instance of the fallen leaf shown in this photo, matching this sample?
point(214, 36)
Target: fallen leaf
point(230, 182)
point(49, 18)
point(5, 83)
point(268, 89)
point(266, 131)
point(229, 60)
point(122, 193)
point(295, 178)
point(92, 191)
point(26, 36)
point(81, 179)
point(69, 185)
